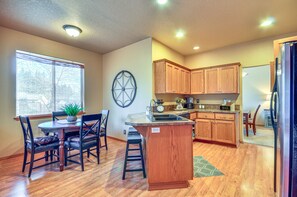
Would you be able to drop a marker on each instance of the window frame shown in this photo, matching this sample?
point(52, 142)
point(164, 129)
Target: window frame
point(54, 61)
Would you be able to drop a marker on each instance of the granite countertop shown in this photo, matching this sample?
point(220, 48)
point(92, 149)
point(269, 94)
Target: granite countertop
point(140, 119)
point(179, 112)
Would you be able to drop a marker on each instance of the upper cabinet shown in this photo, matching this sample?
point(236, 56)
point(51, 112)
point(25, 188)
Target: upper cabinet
point(197, 81)
point(222, 79)
point(171, 78)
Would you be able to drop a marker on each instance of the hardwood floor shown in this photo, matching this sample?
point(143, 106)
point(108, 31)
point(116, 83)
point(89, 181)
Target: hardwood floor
point(248, 171)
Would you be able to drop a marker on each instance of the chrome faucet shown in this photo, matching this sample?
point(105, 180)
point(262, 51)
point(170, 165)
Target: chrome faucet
point(150, 108)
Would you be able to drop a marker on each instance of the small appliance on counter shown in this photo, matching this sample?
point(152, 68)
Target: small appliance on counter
point(189, 103)
point(227, 105)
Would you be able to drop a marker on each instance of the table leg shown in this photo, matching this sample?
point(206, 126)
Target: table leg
point(246, 124)
point(61, 136)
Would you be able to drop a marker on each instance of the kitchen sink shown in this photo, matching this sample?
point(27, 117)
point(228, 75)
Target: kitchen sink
point(165, 117)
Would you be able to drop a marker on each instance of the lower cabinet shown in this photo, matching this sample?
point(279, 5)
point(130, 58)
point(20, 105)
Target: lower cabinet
point(203, 129)
point(220, 127)
point(223, 131)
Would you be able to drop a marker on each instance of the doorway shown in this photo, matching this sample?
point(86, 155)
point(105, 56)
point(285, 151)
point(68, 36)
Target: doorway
point(255, 92)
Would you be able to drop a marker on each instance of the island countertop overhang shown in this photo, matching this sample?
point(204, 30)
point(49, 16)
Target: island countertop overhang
point(140, 119)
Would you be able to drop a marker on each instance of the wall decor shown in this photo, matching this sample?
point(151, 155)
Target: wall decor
point(124, 89)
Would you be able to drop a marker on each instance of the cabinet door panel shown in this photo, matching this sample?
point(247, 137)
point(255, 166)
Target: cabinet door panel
point(197, 82)
point(187, 82)
point(211, 80)
point(203, 129)
point(228, 79)
point(169, 76)
point(224, 131)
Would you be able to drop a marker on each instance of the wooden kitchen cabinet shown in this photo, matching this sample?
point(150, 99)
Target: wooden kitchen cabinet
point(203, 129)
point(211, 80)
point(197, 82)
point(228, 79)
point(217, 127)
point(223, 131)
point(223, 79)
point(171, 78)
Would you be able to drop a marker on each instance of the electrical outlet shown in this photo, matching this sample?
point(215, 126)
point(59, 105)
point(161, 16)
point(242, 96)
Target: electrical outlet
point(156, 130)
point(124, 131)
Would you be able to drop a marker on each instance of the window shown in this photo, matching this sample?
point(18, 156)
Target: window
point(44, 84)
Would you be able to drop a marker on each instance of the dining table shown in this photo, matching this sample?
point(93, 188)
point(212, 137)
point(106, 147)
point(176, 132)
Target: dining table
point(60, 127)
point(246, 114)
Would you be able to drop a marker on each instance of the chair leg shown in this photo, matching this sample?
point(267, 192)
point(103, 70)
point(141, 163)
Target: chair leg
point(125, 163)
point(31, 164)
point(46, 156)
point(98, 152)
point(142, 161)
point(88, 153)
point(25, 159)
point(51, 155)
point(254, 129)
point(65, 156)
point(105, 142)
point(81, 159)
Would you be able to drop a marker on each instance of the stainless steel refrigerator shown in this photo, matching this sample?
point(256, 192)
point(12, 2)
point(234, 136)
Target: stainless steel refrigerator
point(283, 109)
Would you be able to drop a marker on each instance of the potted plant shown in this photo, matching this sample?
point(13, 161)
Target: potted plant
point(72, 110)
point(179, 102)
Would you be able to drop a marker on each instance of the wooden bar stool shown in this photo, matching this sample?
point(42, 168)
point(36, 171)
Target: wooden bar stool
point(134, 138)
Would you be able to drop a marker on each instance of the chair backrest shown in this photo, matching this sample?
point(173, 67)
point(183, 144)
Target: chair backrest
point(255, 114)
point(90, 124)
point(104, 119)
point(57, 114)
point(27, 130)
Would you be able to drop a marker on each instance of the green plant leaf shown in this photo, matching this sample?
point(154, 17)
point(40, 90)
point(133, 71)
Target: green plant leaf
point(72, 109)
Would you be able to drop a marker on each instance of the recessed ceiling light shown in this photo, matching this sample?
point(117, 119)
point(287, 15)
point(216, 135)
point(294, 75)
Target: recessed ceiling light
point(196, 47)
point(72, 30)
point(180, 34)
point(267, 22)
point(162, 2)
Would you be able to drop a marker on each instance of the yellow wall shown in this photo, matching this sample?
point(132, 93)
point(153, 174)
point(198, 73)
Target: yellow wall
point(137, 59)
point(10, 130)
point(161, 51)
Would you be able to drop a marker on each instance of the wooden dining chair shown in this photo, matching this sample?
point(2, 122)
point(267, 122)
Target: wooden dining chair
point(103, 128)
point(36, 145)
point(87, 139)
point(252, 121)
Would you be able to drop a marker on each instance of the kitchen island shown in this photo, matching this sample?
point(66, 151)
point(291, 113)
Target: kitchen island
point(168, 150)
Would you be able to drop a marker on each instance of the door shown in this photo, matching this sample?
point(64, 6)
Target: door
point(169, 75)
point(187, 82)
point(228, 79)
point(223, 131)
point(197, 82)
point(203, 129)
point(176, 78)
point(211, 80)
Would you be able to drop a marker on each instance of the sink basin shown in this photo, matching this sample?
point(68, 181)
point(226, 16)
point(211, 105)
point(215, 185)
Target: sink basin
point(165, 117)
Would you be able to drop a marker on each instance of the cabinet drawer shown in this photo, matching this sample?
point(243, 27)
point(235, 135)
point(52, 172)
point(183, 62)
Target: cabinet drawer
point(205, 115)
point(193, 116)
point(224, 116)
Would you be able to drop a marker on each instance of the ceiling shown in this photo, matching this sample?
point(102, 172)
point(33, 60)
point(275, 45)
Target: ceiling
point(111, 24)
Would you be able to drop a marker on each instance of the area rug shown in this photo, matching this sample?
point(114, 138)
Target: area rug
point(202, 168)
point(263, 137)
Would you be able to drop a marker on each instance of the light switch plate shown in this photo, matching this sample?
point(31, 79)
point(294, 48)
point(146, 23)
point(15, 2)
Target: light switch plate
point(156, 130)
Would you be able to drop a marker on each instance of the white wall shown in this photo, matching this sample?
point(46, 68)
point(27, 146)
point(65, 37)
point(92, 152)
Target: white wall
point(137, 59)
point(11, 40)
point(256, 85)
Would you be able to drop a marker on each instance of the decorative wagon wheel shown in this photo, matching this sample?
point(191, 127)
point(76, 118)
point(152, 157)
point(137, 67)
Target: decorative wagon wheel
point(124, 89)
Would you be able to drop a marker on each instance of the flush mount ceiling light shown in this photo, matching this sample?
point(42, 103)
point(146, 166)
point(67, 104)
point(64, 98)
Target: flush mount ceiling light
point(267, 22)
point(196, 47)
point(162, 2)
point(72, 30)
point(180, 34)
